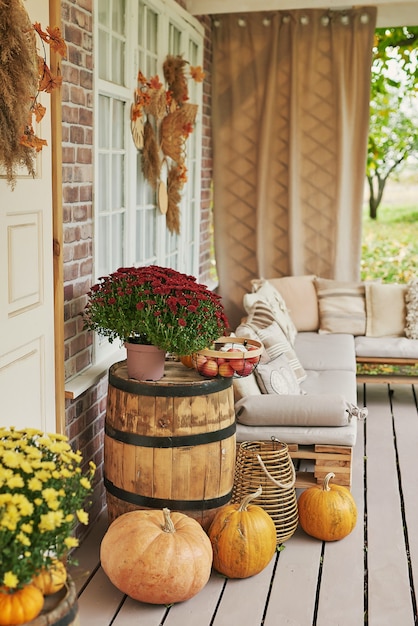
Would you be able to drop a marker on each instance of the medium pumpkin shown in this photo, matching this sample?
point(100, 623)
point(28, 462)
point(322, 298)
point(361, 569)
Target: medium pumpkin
point(327, 512)
point(243, 538)
point(157, 557)
point(51, 580)
point(18, 606)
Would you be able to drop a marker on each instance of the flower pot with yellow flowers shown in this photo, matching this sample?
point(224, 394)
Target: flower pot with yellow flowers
point(42, 494)
point(154, 308)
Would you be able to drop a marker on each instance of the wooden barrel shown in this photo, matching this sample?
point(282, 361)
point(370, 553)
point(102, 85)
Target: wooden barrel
point(60, 609)
point(169, 443)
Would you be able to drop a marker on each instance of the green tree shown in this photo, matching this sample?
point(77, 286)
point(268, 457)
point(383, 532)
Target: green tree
point(393, 133)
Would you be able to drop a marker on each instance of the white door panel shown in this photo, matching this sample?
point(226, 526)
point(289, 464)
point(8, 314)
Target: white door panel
point(27, 380)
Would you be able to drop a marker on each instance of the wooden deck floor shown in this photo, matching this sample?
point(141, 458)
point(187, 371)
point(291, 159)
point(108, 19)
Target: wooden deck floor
point(370, 577)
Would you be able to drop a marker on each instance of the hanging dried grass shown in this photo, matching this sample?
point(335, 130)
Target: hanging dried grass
point(158, 103)
point(174, 185)
point(18, 86)
point(151, 163)
point(173, 70)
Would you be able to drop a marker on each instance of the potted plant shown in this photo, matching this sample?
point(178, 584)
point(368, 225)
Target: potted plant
point(42, 492)
point(155, 306)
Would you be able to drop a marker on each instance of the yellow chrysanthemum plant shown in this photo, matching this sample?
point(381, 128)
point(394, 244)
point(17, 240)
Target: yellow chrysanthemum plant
point(43, 492)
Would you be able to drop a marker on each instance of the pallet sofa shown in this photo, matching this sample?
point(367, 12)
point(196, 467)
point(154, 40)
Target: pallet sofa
point(304, 391)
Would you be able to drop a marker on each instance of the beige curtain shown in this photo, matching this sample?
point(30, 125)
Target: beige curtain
point(290, 124)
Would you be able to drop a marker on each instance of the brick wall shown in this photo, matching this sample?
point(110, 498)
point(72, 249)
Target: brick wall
point(85, 415)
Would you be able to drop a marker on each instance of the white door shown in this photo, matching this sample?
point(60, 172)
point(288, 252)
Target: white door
point(27, 382)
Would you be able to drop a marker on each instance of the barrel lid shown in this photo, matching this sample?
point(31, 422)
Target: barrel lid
point(178, 381)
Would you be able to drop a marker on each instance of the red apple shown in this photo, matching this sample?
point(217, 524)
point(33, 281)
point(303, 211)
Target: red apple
point(237, 364)
point(209, 369)
point(252, 359)
point(226, 370)
point(246, 369)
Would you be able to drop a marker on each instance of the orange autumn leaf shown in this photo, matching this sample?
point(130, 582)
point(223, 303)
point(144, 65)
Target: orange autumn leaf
point(197, 73)
point(155, 83)
point(53, 37)
point(141, 78)
point(56, 41)
point(49, 81)
point(39, 111)
point(30, 140)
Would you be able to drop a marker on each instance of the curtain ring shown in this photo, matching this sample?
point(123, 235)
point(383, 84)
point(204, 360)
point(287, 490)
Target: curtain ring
point(345, 20)
point(304, 20)
point(364, 18)
point(325, 20)
point(242, 22)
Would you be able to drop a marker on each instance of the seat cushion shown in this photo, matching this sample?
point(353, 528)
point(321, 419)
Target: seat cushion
point(268, 410)
point(326, 352)
point(299, 293)
point(384, 347)
point(302, 435)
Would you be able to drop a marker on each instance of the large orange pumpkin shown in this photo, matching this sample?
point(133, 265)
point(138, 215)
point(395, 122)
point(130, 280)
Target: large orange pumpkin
point(18, 606)
point(51, 580)
point(243, 538)
point(327, 512)
point(157, 557)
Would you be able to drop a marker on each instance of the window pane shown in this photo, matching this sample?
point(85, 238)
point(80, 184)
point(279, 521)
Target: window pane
point(118, 16)
point(118, 127)
point(118, 61)
point(104, 44)
point(152, 31)
point(118, 223)
point(104, 180)
point(103, 258)
point(117, 181)
point(104, 125)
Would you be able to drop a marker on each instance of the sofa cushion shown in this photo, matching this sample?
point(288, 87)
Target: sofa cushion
point(326, 352)
point(342, 306)
point(386, 310)
point(325, 382)
point(411, 300)
point(263, 291)
point(245, 386)
point(273, 339)
point(326, 410)
point(299, 294)
point(277, 377)
point(302, 435)
point(384, 347)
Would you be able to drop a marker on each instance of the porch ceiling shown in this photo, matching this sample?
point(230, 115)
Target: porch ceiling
point(389, 12)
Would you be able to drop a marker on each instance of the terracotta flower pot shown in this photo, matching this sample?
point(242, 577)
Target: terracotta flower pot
point(144, 362)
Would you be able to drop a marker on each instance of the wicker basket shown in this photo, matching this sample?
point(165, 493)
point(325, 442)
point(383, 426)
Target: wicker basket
point(268, 463)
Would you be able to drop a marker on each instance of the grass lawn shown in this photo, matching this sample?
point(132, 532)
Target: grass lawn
point(390, 253)
point(390, 244)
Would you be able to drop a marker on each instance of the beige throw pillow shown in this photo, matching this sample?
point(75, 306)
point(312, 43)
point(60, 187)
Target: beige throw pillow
point(342, 307)
point(386, 310)
point(299, 294)
point(277, 377)
point(265, 293)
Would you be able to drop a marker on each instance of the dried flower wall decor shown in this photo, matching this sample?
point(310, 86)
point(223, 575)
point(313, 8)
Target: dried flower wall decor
point(161, 122)
point(23, 75)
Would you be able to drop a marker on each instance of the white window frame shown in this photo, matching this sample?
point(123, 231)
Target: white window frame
point(186, 244)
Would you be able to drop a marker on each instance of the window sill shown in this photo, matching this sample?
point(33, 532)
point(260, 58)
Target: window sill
point(82, 382)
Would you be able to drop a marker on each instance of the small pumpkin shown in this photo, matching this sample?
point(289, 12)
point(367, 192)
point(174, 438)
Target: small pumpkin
point(243, 538)
point(51, 580)
point(328, 511)
point(187, 360)
point(156, 556)
point(18, 606)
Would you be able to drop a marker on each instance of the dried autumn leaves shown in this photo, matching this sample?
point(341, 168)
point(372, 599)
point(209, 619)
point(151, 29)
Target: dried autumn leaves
point(161, 121)
point(23, 75)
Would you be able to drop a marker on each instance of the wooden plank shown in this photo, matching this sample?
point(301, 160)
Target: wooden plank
point(244, 599)
point(99, 602)
point(293, 591)
point(86, 558)
point(133, 612)
point(341, 599)
point(389, 600)
point(406, 427)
